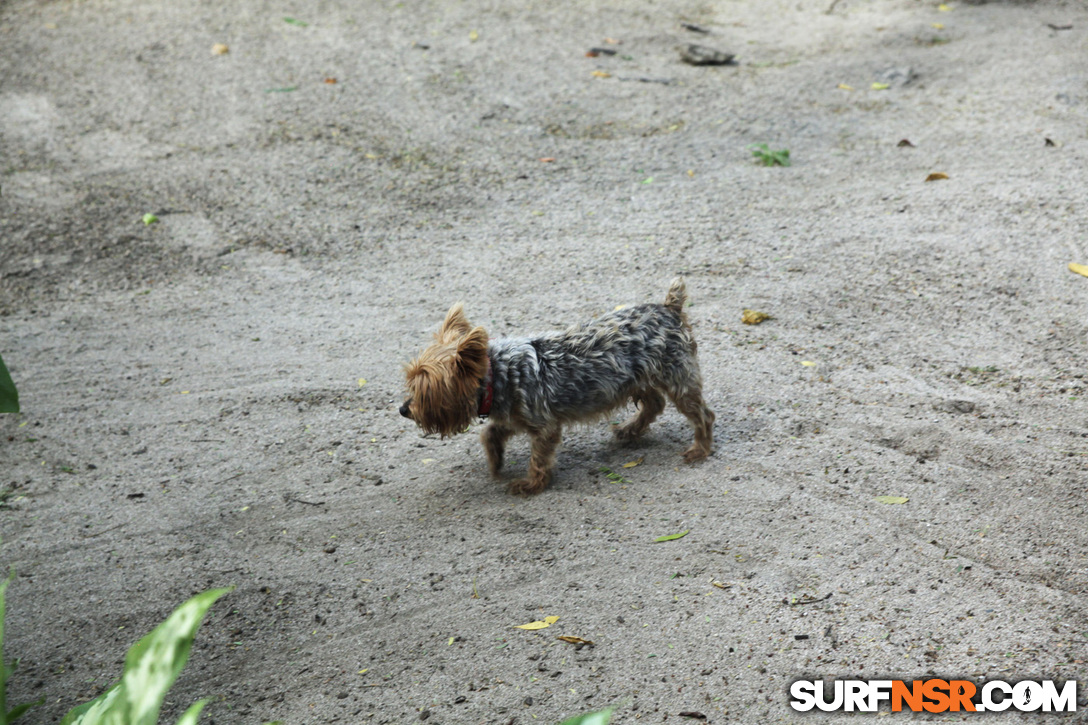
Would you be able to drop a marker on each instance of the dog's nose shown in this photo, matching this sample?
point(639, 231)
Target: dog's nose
point(405, 411)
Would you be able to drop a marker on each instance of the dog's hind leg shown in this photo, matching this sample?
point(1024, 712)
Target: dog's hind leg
point(650, 404)
point(689, 401)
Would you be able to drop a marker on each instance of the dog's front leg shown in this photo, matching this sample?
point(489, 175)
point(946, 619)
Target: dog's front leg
point(541, 462)
point(494, 439)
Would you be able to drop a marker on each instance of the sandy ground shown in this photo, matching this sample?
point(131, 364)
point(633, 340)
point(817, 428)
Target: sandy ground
point(195, 411)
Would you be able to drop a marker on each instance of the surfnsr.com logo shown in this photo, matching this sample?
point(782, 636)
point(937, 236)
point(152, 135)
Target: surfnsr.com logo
point(934, 695)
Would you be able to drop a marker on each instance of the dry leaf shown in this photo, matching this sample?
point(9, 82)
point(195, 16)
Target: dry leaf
point(892, 499)
point(548, 621)
point(721, 585)
point(938, 26)
point(632, 464)
point(879, 86)
point(473, 36)
point(575, 640)
point(547, 159)
point(611, 41)
point(691, 173)
point(936, 176)
point(751, 317)
point(808, 363)
point(844, 87)
point(905, 142)
point(220, 49)
point(601, 74)
point(944, 8)
point(330, 81)
point(1079, 268)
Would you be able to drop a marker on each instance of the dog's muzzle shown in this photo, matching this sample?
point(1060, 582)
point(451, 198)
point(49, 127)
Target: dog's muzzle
point(404, 409)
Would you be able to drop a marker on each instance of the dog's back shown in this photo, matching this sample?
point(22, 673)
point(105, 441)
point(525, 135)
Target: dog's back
point(590, 369)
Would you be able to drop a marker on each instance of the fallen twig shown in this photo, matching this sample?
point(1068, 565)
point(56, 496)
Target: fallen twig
point(289, 499)
point(807, 601)
point(103, 531)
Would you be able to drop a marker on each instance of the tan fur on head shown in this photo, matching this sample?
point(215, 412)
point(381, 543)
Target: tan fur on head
point(454, 325)
point(444, 381)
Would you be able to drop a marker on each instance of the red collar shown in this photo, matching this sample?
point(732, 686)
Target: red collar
point(485, 399)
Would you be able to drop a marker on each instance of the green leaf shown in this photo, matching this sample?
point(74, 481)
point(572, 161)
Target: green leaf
point(8, 716)
point(891, 499)
point(189, 717)
point(770, 158)
point(5, 671)
point(153, 663)
point(150, 219)
point(95, 711)
point(672, 537)
point(151, 666)
point(600, 717)
point(9, 403)
point(17, 712)
point(299, 23)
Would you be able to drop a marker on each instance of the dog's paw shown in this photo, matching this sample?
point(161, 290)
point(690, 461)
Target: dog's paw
point(695, 453)
point(526, 487)
point(628, 431)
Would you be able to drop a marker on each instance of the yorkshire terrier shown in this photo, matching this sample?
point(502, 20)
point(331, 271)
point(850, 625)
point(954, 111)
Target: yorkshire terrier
point(539, 384)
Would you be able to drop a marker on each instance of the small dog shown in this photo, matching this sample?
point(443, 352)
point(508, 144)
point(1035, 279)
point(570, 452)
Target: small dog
point(539, 384)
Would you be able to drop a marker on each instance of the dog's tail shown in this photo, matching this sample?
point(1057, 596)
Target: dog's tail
point(677, 295)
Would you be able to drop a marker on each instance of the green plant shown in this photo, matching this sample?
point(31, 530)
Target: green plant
point(612, 475)
point(151, 666)
point(6, 715)
point(770, 158)
point(601, 717)
point(9, 397)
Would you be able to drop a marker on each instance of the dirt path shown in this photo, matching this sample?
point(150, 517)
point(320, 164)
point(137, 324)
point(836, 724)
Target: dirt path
point(195, 411)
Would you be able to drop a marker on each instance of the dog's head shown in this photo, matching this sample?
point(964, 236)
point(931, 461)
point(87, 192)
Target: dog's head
point(444, 381)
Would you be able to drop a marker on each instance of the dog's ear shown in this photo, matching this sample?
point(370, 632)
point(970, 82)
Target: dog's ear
point(455, 323)
point(472, 354)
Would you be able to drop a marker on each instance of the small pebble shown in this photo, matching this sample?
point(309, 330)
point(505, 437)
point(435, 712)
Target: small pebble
point(702, 55)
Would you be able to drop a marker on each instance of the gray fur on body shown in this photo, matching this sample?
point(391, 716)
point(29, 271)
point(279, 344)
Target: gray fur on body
point(588, 370)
